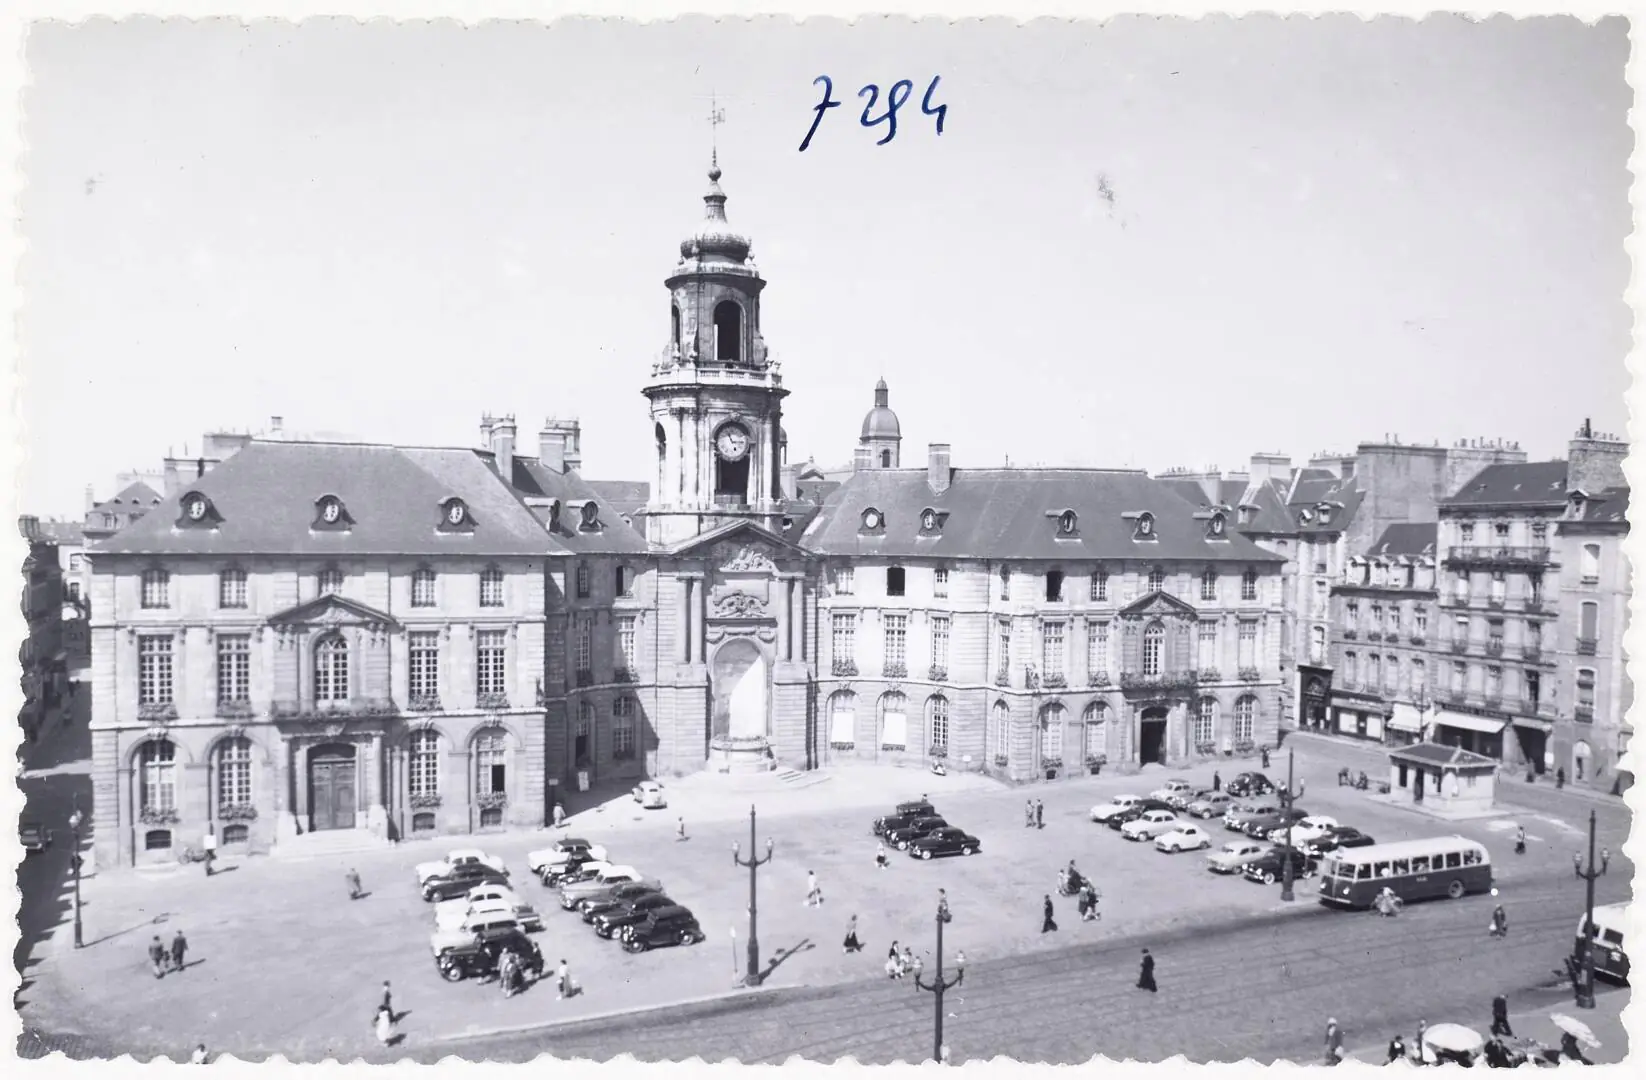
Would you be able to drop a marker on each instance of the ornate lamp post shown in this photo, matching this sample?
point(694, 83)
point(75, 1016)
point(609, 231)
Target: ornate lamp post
point(754, 863)
point(1287, 798)
point(74, 862)
point(1582, 965)
point(940, 985)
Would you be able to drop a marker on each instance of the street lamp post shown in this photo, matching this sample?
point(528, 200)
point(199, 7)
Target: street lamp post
point(1582, 965)
point(940, 985)
point(1287, 798)
point(754, 863)
point(74, 862)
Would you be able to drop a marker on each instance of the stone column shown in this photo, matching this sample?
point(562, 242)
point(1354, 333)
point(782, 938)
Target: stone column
point(683, 621)
point(797, 623)
point(125, 823)
point(700, 604)
point(785, 649)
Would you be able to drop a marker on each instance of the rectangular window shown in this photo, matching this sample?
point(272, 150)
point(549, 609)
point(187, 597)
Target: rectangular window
point(1534, 634)
point(1500, 530)
point(1208, 586)
point(1097, 648)
point(1054, 586)
point(1586, 693)
point(1494, 635)
point(1534, 685)
point(1460, 628)
point(1100, 584)
point(625, 642)
point(1466, 532)
point(1460, 676)
point(231, 589)
point(491, 587)
point(582, 575)
point(1003, 650)
point(1248, 585)
point(1351, 668)
point(1051, 649)
point(154, 685)
point(894, 581)
point(1460, 588)
point(1534, 588)
point(156, 589)
point(491, 648)
point(233, 669)
point(1588, 621)
point(1540, 533)
point(1005, 583)
point(1206, 646)
point(583, 659)
point(623, 728)
point(1499, 586)
point(897, 643)
point(422, 589)
point(330, 581)
point(423, 775)
point(1420, 621)
point(940, 643)
point(844, 637)
point(622, 581)
point(940, 582)
point(1374, 672)
point(1420, 676)
point(1494, 682)
point(423, 666)
point(1248, 643)
point(76, 562)
point(1351, 614)
point(843, 580)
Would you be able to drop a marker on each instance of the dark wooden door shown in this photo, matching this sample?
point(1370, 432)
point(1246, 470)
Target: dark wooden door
point(331, 790)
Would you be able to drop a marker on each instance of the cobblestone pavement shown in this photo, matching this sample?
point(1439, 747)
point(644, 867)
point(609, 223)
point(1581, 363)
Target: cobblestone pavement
point(284, 962)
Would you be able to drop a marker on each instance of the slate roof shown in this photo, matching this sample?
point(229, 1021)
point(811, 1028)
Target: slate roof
point(1435, 754)
point(136, 493)
point(1409, 538)
point(63, 532)
point(1529, 483)
point(1003, 514)
point(1602, 507)
point(535, 484)
point(628, 497)
point(266, 495)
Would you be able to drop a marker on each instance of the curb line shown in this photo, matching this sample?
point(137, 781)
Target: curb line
point(744, 999)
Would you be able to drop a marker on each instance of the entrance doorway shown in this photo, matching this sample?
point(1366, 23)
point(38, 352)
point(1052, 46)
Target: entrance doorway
point(1151, 743)
point(331, 787)
point(1534, 748)
point(737, 677)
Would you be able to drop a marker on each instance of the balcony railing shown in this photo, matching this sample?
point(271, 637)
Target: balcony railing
point(1375, 635)
point(1498, 556)
point(895, 669)
point(235, 710)
point(1002, 677)
point(1350, 633)
point(1460, 645)
point(1097, 678)
point(1166, 680)
point(492, 702)
point(423, 703)
point(937, 673)
point(157, 712)
point(1418, 639)
point(349, 709)
point(624, 675)
point(733, 499)
point(1250, 674)
point(1495, 602)
point(1055, 680)
point(1532, 603)
point(843, 666)
point(1586, 646)
point(1533, 653)
point(1494, 646)
point(1584, 714)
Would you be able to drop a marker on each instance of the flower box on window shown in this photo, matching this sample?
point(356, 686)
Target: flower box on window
point(493, 701)
point(1002, 678)
point(623, 754)
point(492, 800)
point(842, 746)
point(1001, 761)
point(584, 678)
point(623, 675)
point(234, 710)
point(1244, 746)
point(843, 666)
point(1097, 678)
point(1168, 680)
point(1210, 674)
point(1055, 681)
point(425, 800)
point(1031, 678)
point(157, 711)
point(1095, 762)
point(887, 747)
point(938, 750)
point(1250, 674)
point(1053, 762)
point(896, 670)
point(237, 812)
point(150, 816)
point(938, 674)
point(333, 710)
point(1205, 749)
point(423, 703)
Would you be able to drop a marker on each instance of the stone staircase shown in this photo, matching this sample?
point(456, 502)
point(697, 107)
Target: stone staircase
point(794, 779)
point(327, 842)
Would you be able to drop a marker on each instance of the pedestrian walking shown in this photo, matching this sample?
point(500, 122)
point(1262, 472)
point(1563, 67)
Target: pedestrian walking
point(383, 1024)
point(1217, 780)
point(1145, 974)
point(680, 831)
point(1520, 840)
point(1500, 1017)
point(1039, 814)
point(1397, 1049)
point(851, 944)
point(199, 1055)
point(1091, 901)
point(353, 880)
point(814, 895)
point(208, 844)
point(388, 997)
point(1028, 814)
point(1334, 1042)
point(894, 962)
point(157, 957)
point(1265, 757)
point(1422, 1030)
point(914, 963)
point(559, 816)
point(563, 982)
point(880, 859)
point(1048, 923)
point(1500, 922)
point(1560, 778)
point(179, 949)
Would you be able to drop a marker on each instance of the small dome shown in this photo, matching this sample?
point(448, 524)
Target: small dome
point(881, 422)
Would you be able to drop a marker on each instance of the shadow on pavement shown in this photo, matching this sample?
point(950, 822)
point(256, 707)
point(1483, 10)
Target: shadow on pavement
point(781, 955)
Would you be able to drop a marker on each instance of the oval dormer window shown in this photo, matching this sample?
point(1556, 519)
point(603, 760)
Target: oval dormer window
point(872, 519)
point(195, 507)
point(331, 511)
point(1325, 515)
point(1145, 524)
point(1217, 525)
point(456, 512)
point(591, 515)
point(928, 521)
point(1066, 522)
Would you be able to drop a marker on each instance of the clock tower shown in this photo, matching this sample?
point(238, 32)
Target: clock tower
point(716, 395)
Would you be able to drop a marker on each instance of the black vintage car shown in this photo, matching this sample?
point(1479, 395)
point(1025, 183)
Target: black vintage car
point(1270, 866)
point(665, 926)
point(1249, 783)
point(460, 879)
point(914, 830)
point(1340, 837)
point(612, 920)
point(1135, 811)
point(621, 896)
point(904, 814)
point(480, 957)
point(571, 870)
point(947, 840)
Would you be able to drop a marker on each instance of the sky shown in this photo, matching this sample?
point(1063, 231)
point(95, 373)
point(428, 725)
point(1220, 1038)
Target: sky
point(1145, 243)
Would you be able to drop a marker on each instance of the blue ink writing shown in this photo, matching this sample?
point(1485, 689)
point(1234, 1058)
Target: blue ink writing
point(896, 98)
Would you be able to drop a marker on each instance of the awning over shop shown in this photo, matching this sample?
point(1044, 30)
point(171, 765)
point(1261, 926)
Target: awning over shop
point(842, 726)
point(1484, 724)
point(897, 730)
point(1532, 723)
point(1406, 718)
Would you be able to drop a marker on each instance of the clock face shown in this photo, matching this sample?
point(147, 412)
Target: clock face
point(330, 512)
point(732, 442)
point(197, 509)
point(454, 513)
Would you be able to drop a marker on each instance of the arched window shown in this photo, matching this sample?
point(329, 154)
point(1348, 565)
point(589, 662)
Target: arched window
point(234, 773)
point(885, 459)
point(1245, 725)
point(1000, 724)
point(1154, 647)
point(937, 724)
point(1580, 760)
point(1205, 721)
point(674, 324)
point(728, 332)
point(331, 670)
point(1094, 733)
point(422, 588)
point(894, 721)
point(1051, 734)
point(158, 765)
point(491, 769)
point(1157, 580)
point(842, 719)
point(423, 774)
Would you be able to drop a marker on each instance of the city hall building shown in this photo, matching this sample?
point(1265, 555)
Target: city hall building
point(314, 645)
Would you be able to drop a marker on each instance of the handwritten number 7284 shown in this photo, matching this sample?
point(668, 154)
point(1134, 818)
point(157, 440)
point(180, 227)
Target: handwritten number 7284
point(895, 99)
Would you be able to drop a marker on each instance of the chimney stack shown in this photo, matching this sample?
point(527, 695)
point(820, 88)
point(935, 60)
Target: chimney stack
point(1594, 460)
point(573, 430)
point(502, 443)
point(551, 446)
point(938, 472)
point(91, 498)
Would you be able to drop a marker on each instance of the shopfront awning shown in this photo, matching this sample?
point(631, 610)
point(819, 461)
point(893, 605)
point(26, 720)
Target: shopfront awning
point(1484, 724)
point(897, 730)
point(1406, 718)
point(842, 726)
point(1532, 723)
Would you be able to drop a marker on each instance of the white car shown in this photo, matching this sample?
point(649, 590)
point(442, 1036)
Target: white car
point(455, 858)
point(1150, 825)
point(560, 853)
point(463, 933)
point(1307, 831)
point(1105, 811)
point(649, 794)
point(1232, 857)
point(486, 899)
point(1183, 838)
point(1171, 789)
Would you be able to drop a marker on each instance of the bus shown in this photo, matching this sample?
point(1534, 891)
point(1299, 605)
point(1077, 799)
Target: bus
point(1452, 866)
point(1611, 962)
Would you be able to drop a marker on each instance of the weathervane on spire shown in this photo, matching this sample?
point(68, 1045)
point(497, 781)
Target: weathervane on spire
point(717, 116)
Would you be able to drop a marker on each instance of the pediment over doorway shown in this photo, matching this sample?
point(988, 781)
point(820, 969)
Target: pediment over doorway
point(334, 610)
point(741, 548)
point(1158, 605)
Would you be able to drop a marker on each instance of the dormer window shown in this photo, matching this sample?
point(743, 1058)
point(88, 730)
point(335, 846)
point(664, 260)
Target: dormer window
point(1245, 515)
point(1142, 525)
point(1305, 516)
point(554, 515)
point(1216, 528)
point(1325, 515)
point(330, 515)
point(932, 521)
point(589, 517)
point(1068, 524)
point(874, 522)
point(1157, 580)
point(455, 516)
point(198, 512)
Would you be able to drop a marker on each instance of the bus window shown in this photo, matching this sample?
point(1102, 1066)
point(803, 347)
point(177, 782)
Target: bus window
point(1363, 872)
point(1612, 937)
point(1382, 869)
point(1402, 867)
point(1453, 860)
point(1420, 864)
point(1471, 858)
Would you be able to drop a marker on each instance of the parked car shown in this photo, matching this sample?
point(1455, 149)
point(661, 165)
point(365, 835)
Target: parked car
point(1177, 786)
point(599, 887)
point(905, 813)
point(649, 794)
point(1180, 801)
point(947, 840)
point(483, 922)
point(612, 920)
point(583, 871)
point(1243, 810)
point(451, 913)
point(620, 896)
point(665, 926)
point(33, 835)
point(1262, 825)
point(1250, 783)
point(455, 859)
point(1153, 823)
point(561, 852)
point(480, 955)
point(1341, 837)
point(574, 868)
point(458, 880)
point(1209, 804)
point(1119, 820)
point(1235, 856)
point(1102, 812)
point(1183, 838)
point(1305, 830)
point(914, 830)
point(1270, 866)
